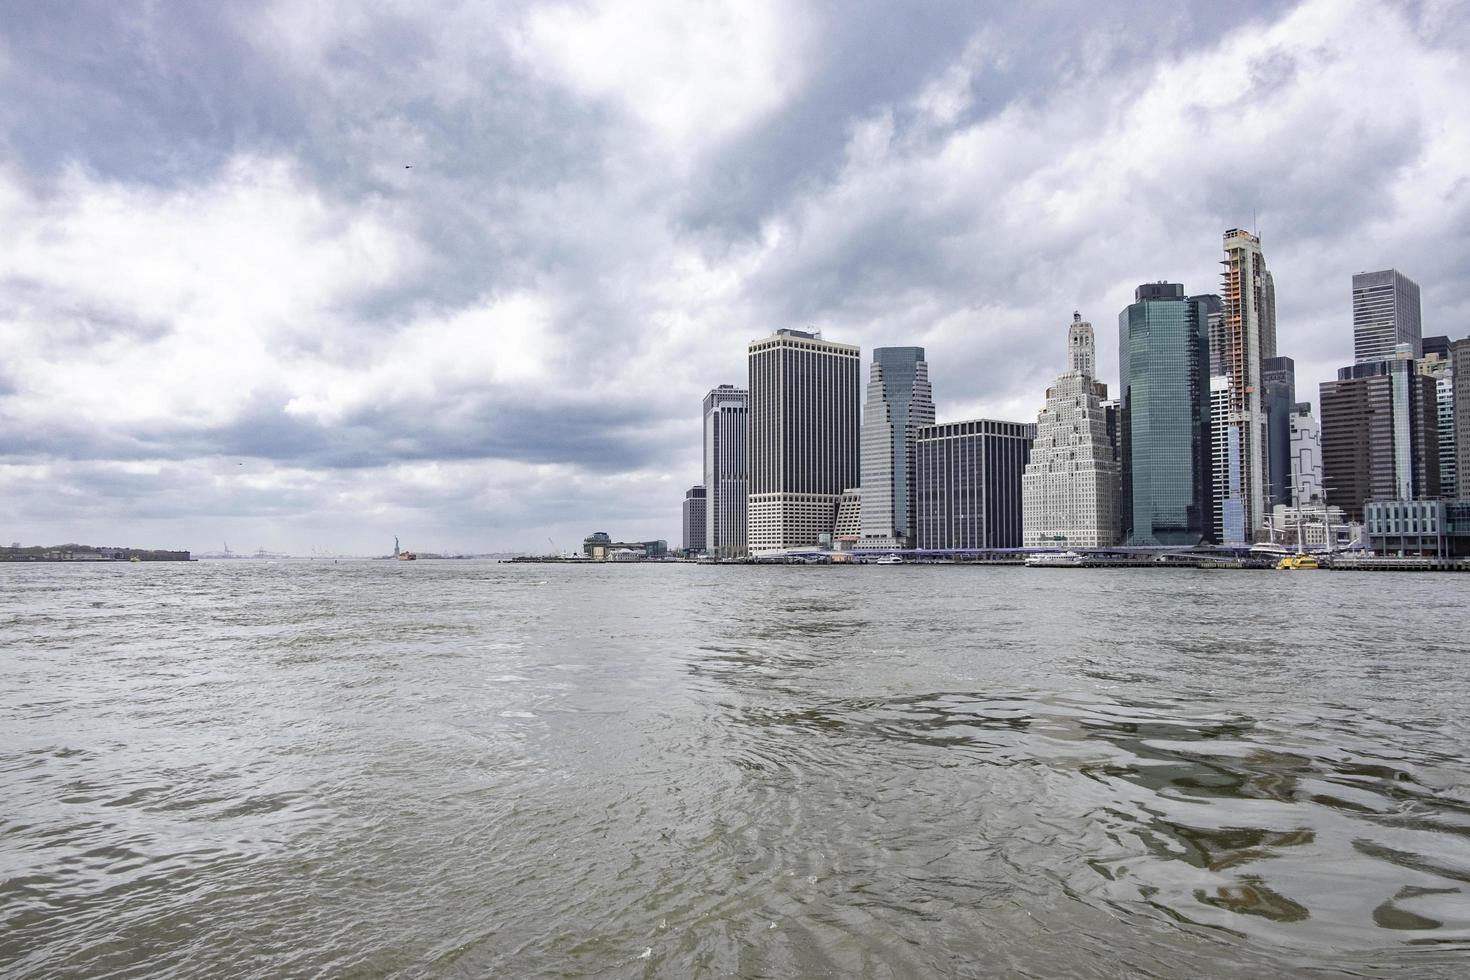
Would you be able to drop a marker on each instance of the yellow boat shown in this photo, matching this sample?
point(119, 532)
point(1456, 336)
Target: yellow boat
point(1298, 562)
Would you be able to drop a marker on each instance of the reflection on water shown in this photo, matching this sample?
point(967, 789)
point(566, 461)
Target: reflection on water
point(478, 769)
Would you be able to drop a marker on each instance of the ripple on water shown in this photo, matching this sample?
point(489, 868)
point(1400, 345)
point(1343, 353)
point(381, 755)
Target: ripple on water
point(467, 768)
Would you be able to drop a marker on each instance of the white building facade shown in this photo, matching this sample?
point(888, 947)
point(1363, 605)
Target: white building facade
point(1306, 455)
point(1227, 507)
point(1069, 489)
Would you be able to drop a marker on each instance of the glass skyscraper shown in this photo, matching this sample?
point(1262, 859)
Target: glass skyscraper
point(899, 401)
point(1163, 353)
point(1385, 315)
point(1278, 398)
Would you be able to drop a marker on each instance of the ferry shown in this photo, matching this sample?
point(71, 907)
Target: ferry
point(1055, 559)
point(1298, 562)
point(889, 560)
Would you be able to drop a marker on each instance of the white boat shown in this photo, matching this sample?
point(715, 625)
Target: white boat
point(889, 560)
point(1055, 559)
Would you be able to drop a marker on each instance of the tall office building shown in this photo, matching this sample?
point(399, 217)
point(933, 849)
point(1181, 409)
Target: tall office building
point(694, 516)
point(1226, 511)
point(1436, 364)
point(1069, 490)
point(900, 400)
point(1268, 315)
point(967, 482)
point(1248, 305)
point(803, 437)
point(1219, 345)
point(1278, 398)
point(1380, 435)
point(1385, 315)
point(1460, 368)
point(726, 418)
point(1306, 456)
point(1163, 357)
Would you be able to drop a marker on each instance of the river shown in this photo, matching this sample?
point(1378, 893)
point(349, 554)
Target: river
point(449, 768)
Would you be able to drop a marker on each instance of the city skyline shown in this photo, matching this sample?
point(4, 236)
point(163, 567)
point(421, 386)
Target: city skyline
point(467, 296)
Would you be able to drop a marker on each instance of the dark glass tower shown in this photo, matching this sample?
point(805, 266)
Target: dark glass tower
point(1380, 435)
point(1163, 354)
point(1278, 398)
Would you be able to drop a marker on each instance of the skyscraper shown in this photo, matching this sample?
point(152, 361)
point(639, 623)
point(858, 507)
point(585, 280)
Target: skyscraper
point(726, 418)
point(1163, 354)
point(1379, 435)
point(803, 437)
point(899, 402)
point(1460, 366)
point(1248, 305)
point(1278, 397)
point(967, 481)
point(1268, 315)
point(1436, 364)
point(1227, 513)
point(694, 516)
point(1069, 490)
point(1385, 315)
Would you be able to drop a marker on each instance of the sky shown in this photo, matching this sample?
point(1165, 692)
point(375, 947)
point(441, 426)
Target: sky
point(308, 275)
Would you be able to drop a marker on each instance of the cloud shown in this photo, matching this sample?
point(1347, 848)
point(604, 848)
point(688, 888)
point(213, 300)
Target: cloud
point(689, 76)
point(294, 271)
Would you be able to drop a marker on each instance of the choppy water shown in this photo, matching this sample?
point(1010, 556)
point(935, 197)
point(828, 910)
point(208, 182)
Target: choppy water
point(471, 769)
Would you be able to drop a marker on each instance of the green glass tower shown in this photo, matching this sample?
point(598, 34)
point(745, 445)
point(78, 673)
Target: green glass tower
point(1163, 360)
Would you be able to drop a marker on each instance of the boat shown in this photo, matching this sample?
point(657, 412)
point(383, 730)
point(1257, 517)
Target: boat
point(889, 560)
point(1055, 559)
point(1298, 562)
point(402, 555)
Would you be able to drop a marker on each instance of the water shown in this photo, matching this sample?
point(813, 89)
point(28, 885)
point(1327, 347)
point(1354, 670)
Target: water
point(472, 769)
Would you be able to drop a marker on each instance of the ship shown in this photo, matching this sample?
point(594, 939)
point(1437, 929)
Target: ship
point(1055, 559)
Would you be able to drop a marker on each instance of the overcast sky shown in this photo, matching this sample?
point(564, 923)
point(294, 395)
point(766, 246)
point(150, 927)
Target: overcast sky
point(230, 311)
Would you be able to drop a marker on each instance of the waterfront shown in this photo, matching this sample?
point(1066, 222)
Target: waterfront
point(467, 768)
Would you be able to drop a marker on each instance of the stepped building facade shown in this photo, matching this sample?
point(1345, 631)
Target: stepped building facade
point(1069, 489)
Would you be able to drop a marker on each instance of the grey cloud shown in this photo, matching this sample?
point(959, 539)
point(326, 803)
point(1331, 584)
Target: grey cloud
point(519, 184)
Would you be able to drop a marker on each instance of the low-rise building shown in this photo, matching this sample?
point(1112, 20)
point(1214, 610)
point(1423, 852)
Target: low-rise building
point(599, 546)
point(848, 529)
point(1419, 528)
